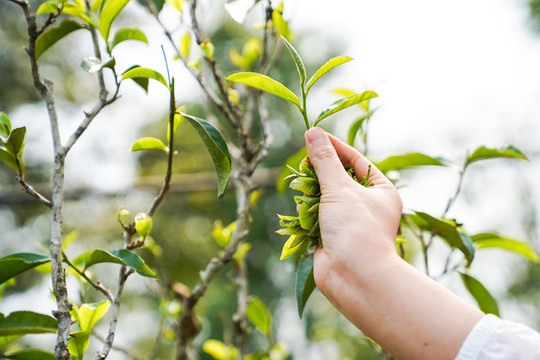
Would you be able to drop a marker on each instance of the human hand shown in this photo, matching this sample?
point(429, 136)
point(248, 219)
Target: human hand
point(358, 224)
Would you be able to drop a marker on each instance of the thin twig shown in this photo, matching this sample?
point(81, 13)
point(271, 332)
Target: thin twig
point(32, 192)
point(127, 352)
point(168, 175)
point(115, 312)
point(108, 294)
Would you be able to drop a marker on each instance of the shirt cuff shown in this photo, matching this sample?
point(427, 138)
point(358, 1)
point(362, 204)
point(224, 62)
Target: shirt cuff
point(478, 337)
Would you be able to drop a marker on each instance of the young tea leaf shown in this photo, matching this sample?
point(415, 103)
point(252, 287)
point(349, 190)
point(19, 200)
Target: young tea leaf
point(15, 141)
point(220, 351)
point(216, 146)
point(128, 33)
point(490, 240)
point(486, 302)
point(265, 83)
point(78, 343)
point(259, 315)
point(305, 283)
point(89, 314)
point(344, 103)
point(148, 143)
point(108, 14)
point(15, 264)
point(330, 64)
point(9, 160)
point(143, 225)
point(5, 124)
point(483, 153)
point(355, 127)
point(141, 81)
point(292, 161)
point(297, 60)
point(140, 72)
point(399, 162)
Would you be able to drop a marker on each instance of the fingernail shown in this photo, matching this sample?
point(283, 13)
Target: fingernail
point(314, 134)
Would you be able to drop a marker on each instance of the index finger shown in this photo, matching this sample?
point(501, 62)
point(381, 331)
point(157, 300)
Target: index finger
point(350, 156)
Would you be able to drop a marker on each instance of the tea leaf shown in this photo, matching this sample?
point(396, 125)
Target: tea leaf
point(15, 264)
point(108, 14)
point(259, 315)
point(149, 143)
point(305, 283)
point(297, 60)
point(265, 83)
point(344, 103)
point(128, 33)
point(486, 302)
point(217, 147)
point(140, 72)
point(330, 64)
point(26, 322)
point(483, 153)
point(399, 162)
point(490, 240)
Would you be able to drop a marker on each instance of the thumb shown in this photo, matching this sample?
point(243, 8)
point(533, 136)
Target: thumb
point(324, 158)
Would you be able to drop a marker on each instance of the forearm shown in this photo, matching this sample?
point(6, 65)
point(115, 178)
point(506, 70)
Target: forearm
point(404, 311)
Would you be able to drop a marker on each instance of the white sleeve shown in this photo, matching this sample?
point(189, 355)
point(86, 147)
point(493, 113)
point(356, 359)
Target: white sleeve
point(496, 339)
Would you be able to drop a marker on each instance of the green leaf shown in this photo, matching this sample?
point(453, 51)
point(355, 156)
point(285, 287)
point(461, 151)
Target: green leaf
point(68, 9)
point(143, 225)
point(305, 283)
point(259, 315)
point(217, 147)
point(140, 72)
point(343, 92)
point(149, 143)
point(483, 153)
point(142, 82)
point(9, 160)
point(293, 161)
point(220, 351)
point(15, 141)
point(297, 60)
point(345, 103)
point(4, 340)
point(27, 322)
point(128, 33)
point(222, 235)
point(399, 162)
point(265, 83)
point(5, 124)
point(108, 14)
point(92, 64)
point(490, 240)
point(53, 35)
point(330, 64)
point(447, 230)
point(353, 130)
point(88, 315)
point(97, 5)
point(15, 264)
point(123, 257)
point(31, 354)
point(241, 252)
point(486, 302)
point(78, 343)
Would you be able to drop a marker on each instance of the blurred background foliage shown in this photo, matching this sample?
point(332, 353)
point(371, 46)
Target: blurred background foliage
point(182, 232)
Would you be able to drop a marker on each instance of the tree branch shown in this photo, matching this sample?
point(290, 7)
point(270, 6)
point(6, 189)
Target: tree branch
point(115, 312)
point(32, 192)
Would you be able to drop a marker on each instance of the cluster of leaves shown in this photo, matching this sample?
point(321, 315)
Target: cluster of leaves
point(11, 144)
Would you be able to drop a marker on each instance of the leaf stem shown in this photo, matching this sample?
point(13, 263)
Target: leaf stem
point(303, 109)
